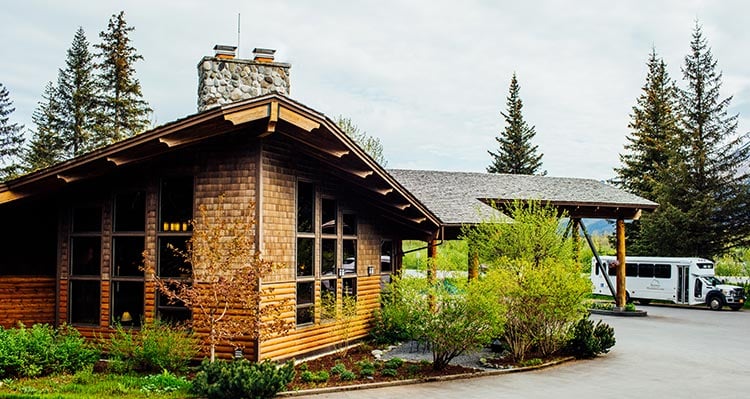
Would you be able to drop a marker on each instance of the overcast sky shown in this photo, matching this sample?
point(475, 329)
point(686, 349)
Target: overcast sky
point(429, 78)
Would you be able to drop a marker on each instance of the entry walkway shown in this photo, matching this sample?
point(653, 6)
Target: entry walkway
point(675, 352)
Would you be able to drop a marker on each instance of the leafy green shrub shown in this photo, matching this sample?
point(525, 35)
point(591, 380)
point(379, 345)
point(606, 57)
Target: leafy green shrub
point(394, 363)
point(601, 305)
point(316, 377)
point(42, 350)
point(388, 372)
point(630, 307)
point(338, 369)
point(347, 375)
point(155, 347)
point(589, 340)
point(413, 369)
point(241, 379)
point(163, 383)
point(366, 368)
point(531, 362)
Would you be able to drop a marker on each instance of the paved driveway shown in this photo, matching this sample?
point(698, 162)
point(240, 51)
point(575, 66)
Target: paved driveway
point(672, 353)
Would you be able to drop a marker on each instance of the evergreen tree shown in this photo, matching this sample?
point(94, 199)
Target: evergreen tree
point(46, 147)
point(705, 197)
point(78, 98)
point(11, 138)
point(125, 112)
point(372, 145)
point(516, 153)
point(653, 126)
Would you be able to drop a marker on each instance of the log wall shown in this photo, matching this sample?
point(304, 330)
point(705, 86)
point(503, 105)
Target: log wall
point(29, 300)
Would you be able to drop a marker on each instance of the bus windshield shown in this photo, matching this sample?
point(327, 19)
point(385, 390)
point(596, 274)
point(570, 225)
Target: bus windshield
point(713, 281)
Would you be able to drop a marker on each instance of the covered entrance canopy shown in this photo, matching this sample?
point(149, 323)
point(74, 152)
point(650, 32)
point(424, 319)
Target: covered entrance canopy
point(465, 198)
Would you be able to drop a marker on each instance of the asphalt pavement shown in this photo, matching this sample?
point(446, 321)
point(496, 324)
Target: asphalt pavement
point(673, 353)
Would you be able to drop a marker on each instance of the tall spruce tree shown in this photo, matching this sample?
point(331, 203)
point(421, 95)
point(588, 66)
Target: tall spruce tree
point(11, 139)
point(704, 197)
point(125, 112)
point(515, 154)
point(653, 126)
point(77, 98)
point(46, 146)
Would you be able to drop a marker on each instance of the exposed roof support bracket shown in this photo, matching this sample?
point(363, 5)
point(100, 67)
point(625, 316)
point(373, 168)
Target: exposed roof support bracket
point(273, 118)
point(68, 179)
point(248, 115)
point(329, 151)
point(298, 120)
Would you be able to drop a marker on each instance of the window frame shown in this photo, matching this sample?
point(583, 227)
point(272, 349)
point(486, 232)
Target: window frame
point(74, 278)
point(115, 277)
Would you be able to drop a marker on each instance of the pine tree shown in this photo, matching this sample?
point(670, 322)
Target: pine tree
point(78, 100)
point(653, 126)
point(11, 138)
point(516, 153)
point(705, 199)
point(46, 147)
point(125, 112)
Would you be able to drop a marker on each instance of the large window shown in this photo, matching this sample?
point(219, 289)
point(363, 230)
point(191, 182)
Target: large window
point(84, 290)
point(128, 243)
point(326, 253)
point(175, 230)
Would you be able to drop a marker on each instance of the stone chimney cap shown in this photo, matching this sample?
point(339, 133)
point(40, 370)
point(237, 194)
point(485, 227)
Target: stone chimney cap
point(263, 54)
point(223, 51)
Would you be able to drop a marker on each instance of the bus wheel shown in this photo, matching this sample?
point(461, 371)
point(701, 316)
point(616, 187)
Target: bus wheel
point(715, 303)
point(644, 301)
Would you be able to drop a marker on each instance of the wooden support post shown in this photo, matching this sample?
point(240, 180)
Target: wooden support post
point(473, 263)
point(432, 260)
point(575, 234)
point(621, 288)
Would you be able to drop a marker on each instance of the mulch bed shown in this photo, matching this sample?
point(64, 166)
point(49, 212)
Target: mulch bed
point(409, 370)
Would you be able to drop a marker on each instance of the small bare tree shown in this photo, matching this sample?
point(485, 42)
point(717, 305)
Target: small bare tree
point(224, 291)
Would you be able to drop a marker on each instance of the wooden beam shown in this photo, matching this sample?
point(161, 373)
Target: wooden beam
point(273, 118)
point(8, 196)
point(68, 179)
point(298, 120)
point(621, 288)
point(248, 115)
point(331, 152)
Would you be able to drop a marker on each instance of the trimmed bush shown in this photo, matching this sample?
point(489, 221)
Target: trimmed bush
point(338, 369)
point(589, 340)
point(42, 350)
point(242, 379)
point(155, 347)
point(347, 376)
point(317, 377)
point(394, 363)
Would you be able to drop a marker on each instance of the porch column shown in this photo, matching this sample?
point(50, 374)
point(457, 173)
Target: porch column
point(473, 263)
point(432, 260)
point(621, 288)
point(575, 232)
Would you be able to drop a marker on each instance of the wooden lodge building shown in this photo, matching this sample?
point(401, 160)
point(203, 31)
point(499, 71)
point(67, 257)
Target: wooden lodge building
point(73, 235)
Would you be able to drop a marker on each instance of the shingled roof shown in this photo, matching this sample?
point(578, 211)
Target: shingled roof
point(463, 197)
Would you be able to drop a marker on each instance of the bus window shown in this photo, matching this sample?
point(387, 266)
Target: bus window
point(631, 269)
point(645, 270)
point(662, 271)
point(705, 265)
point(612, 269)
point(698, 291)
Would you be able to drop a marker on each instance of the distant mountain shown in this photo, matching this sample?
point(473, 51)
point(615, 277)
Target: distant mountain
point(599, 226)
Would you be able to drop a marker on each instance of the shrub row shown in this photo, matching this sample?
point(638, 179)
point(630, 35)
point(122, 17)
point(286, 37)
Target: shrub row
point(241, 379)
point(155, 347)
point(42, 350)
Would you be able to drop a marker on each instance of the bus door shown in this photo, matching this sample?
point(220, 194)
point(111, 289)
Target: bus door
point(683, 284)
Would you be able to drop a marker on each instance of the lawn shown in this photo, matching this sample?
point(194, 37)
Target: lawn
point(86, 384)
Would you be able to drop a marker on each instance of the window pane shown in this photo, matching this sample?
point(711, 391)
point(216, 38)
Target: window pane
point(350, 256)
point(645, 270)
point(328, 219)
point(172, 264)
point(86, 256)
point(305, 256)
point(84, 302)
point(87, 219)
point(662, 271)
point(172, 313)
point(305, 207)
point(130, 211)
point(176, 206)
point(386, 251)
point(328, 299)
point(349, 287)
point(350, 224)
point(127, 302)
point(305, 301)
point(128, 256)
point(328, 257)
point(631, 269)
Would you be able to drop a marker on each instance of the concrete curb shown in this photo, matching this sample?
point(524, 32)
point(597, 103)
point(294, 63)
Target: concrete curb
point(478, 373)
point(633, 313)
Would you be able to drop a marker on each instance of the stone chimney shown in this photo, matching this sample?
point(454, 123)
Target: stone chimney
point(223, 79)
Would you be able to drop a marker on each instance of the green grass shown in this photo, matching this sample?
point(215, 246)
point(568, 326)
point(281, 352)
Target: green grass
point(89, 385)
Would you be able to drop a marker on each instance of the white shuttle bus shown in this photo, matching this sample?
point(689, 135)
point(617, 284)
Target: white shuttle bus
point(688, 281)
